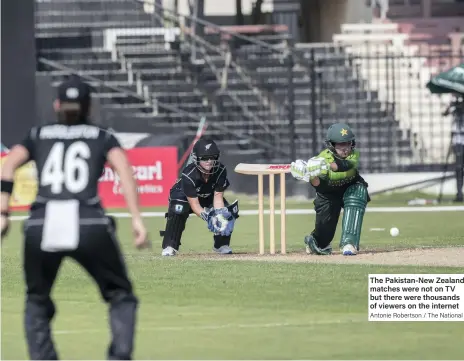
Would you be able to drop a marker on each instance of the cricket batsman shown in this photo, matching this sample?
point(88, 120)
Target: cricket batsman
point(334, 174)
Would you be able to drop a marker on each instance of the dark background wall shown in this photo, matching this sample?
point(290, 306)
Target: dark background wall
point(18, 69)
point(45, 95)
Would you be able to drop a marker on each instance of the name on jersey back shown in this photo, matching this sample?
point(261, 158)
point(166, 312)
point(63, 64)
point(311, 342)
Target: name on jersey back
point(59, 131)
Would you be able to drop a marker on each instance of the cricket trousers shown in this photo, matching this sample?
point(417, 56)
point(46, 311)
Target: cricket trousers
point(178, 204)
point(459, 169)
point(327, 214)
point(99, 254)
point(328, 208)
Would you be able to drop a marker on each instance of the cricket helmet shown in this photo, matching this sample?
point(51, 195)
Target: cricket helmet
point(339, 133)
point(206, 150)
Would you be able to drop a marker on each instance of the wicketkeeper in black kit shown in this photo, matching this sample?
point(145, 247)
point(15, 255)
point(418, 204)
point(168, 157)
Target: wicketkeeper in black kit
point(200, 190)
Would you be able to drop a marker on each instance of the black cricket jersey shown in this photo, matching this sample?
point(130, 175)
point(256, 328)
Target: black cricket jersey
point(69, 160)
point(192, 184)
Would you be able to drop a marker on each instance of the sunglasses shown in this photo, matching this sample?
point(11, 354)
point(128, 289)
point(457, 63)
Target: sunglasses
point(209, 157)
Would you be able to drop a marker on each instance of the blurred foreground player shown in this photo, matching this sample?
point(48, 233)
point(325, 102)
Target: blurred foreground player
point(67, 219)
point(456, 108)
point(200, 190)
point(334, 175)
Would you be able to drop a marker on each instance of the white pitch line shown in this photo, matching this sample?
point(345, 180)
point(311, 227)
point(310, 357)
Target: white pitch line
point(253, 212)
point(208, 327)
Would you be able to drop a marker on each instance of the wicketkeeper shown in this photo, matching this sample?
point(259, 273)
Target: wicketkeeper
point(200, 190)
point(334, 175)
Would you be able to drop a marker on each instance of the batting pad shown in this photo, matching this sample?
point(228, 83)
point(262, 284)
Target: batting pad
point(355, 202)
point(61, 226)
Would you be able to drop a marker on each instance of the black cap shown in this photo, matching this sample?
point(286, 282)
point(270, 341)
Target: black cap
point(74, 94)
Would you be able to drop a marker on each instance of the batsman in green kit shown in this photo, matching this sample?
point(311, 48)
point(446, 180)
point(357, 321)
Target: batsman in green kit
point(334, 174)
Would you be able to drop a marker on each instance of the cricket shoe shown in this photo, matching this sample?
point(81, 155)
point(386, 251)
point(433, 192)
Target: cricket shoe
point(313, 248)
point(223, 250)
point(349, 250)
point(169, 251)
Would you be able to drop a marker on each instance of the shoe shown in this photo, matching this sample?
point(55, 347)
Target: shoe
point(223, 250)
point(349, 250)
point(459, 199)
point(312, 248)
point(169, 251)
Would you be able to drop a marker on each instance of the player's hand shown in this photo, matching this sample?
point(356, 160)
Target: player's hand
point(140, 234)
point(222, 223)
point(317, 167)
point(299, 170)
point(5, 224)
point(207, 214)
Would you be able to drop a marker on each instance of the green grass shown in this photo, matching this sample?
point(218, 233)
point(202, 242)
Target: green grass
point(397, 199)
point(204, 309)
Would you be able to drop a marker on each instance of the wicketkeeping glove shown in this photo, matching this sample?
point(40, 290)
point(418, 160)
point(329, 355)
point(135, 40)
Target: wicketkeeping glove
point(207, 214)
point(223, 222)
point(219, 221)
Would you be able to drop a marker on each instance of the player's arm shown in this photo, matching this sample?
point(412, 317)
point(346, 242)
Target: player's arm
point(338, 176)
point(221, 185)
point(18, 155)
point(15, 159)
point(218, 200)
point(351, 162)
point(195, 206)
point(329, 159)
point(341, 165)
point(189, 189)
point(334, 176)
point(315, 182)
point(119, 162)
point(117, 159)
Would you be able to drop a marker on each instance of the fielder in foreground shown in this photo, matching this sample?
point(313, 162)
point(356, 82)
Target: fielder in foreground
point(200, 190)
point(334, 175)
point(68, 220)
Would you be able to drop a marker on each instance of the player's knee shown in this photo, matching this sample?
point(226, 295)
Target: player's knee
point(182, 209)
point(41, 305)
point(175, 226)
point(176, 221)
point(124, 297)
point(356, 196)
point(176, 215)
point(120, 297)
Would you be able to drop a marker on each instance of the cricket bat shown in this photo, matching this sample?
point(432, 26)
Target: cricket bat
point(188, 153)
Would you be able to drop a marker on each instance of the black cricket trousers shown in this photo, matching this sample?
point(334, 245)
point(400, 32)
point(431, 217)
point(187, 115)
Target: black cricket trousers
point(459, 170)
point(99, 254)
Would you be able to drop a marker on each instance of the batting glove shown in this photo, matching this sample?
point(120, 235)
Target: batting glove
point(317, 167)
point(299, 170)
